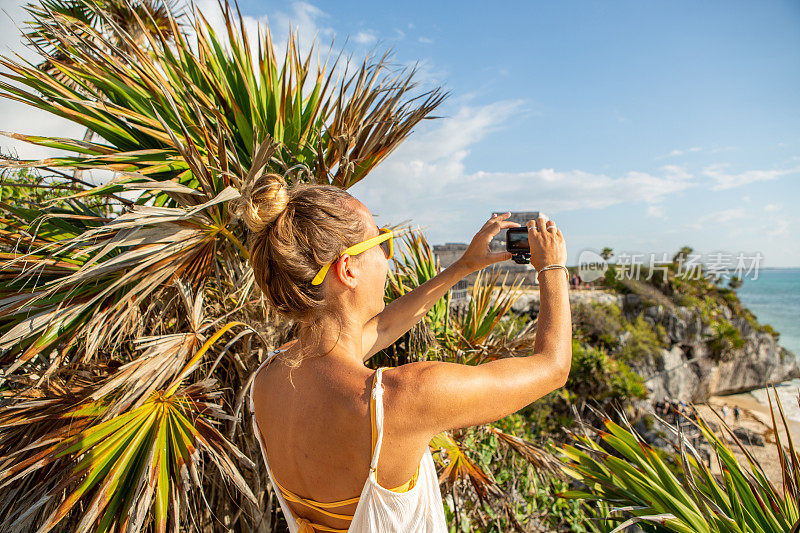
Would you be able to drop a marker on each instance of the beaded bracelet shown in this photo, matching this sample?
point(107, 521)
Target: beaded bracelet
point(553, 267)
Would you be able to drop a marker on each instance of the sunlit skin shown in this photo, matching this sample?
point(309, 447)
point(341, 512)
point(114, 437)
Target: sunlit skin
point(317, 429)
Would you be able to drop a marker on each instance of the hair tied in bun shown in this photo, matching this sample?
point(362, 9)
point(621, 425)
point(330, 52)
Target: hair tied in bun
point(261, 201)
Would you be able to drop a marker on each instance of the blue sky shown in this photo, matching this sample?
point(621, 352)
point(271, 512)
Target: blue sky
point(642, 126)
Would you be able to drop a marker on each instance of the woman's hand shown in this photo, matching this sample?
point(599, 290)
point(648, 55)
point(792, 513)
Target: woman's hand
point(478, 255)
point(547, 243)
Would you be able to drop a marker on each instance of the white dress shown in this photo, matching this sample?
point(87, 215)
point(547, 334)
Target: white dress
point(378, 509)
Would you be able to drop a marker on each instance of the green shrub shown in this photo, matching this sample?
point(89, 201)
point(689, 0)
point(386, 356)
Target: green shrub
point(610, 281)
point(725, 340)
point(730, 297)
point(766, 328)
point(644, 340)
point(602, 378)
point(523, 493)
point(598, 324)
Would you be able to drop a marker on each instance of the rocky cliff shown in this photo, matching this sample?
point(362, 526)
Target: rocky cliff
point(689, 367)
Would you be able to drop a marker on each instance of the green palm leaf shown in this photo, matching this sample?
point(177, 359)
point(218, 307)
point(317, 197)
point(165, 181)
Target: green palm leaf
point(145, 450)
point(637, 480)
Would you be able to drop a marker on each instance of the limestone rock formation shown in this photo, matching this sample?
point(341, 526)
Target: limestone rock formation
point(689, 369)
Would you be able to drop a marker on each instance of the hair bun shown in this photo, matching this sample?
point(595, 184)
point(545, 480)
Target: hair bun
point(262, 201)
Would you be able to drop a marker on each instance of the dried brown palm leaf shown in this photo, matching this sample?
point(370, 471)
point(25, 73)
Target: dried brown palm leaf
point(125, 261)
point(457, 465)
point(543, 460)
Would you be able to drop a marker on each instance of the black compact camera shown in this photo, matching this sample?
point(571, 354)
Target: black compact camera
point(517, 244)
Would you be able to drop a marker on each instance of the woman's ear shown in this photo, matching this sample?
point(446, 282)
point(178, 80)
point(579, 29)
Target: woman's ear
point(346, 271)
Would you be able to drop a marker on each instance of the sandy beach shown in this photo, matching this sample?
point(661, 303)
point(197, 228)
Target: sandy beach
point(755, 417)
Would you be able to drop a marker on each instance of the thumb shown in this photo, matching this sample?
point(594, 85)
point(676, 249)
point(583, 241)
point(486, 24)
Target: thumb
point(499, 256)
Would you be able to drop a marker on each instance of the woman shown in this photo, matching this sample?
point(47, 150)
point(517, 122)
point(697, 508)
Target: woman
point(347, 447)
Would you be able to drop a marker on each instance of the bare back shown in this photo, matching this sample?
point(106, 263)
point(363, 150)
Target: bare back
point(317, 433)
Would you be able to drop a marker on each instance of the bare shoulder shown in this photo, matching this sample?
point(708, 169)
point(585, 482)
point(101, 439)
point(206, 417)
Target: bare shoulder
point(409, 376)
point(419, 379)
point(414, 381)
point(425, 393)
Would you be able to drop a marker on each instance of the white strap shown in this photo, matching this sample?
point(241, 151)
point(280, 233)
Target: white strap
point(377, 393)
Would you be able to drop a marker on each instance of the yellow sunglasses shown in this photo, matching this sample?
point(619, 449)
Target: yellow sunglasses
point(385, 240)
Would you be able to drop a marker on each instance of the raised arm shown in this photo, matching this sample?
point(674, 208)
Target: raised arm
point(436, 396)
point(400, 315)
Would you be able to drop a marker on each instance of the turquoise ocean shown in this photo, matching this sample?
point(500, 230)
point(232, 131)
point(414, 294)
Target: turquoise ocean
point(774, 297)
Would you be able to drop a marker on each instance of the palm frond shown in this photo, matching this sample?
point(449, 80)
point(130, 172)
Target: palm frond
point(155, 106)
point(123, 468)
point(101, 332)
point(81, 284)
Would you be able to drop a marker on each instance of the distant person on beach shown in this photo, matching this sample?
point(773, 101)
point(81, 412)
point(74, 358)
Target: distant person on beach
point(347, 447)
point(725, 412)
point(736, 413)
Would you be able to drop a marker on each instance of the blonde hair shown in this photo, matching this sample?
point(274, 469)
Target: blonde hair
point(292, 233)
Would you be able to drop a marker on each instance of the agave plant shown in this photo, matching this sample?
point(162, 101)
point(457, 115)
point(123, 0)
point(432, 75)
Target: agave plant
point(630, 475)
point(476, 332)
point(412, 270)
point(129, 328)
point(414, 265)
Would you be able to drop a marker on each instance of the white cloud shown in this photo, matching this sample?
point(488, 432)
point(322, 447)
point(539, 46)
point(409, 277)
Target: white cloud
point(427, 180)
point(656, 211)
point(722, 216)
point(676, 172)
point(725, 180)
point(696, 149)
point(425, 40)
point(778, 227)
point(676, 153)
point(738, 225)
point(365, 37)
point(722, 149)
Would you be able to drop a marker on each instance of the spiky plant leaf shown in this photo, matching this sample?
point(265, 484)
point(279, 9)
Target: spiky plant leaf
point(183, 120)
point(457, 466)
point(119, 466)
point(636, 479)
